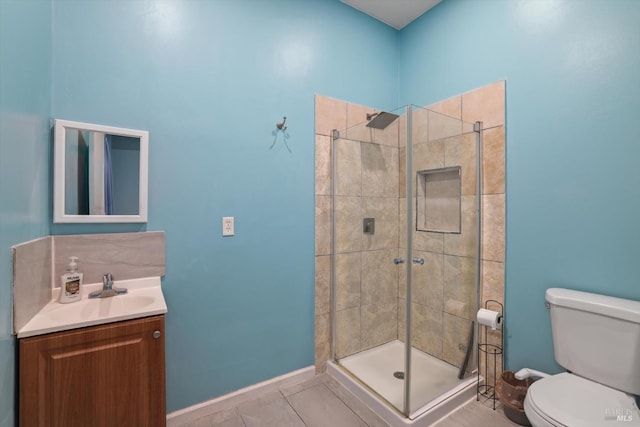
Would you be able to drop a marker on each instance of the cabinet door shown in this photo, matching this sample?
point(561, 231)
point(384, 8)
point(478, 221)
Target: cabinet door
point(109, 375)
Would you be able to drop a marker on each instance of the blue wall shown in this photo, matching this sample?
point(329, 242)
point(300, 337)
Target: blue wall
point(25, 205)
point(209, 80)
point(573, 181)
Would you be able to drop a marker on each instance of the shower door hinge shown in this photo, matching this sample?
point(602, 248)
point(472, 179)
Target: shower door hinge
point(335, 134)
point(477, 126)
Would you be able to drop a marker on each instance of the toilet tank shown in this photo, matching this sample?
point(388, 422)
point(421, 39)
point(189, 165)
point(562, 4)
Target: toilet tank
point(597, 337)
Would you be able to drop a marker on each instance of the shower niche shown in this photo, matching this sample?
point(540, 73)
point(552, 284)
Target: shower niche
point(438, 200)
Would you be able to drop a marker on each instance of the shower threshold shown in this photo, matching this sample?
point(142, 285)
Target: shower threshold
point(435, 388)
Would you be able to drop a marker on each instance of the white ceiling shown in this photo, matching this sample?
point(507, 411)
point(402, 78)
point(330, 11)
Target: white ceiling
point(396, 13)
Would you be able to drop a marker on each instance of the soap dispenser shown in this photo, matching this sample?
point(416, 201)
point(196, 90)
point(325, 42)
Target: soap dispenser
point(71, 283)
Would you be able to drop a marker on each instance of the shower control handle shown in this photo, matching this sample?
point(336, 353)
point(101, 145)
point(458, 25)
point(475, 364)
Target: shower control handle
point(397, 261)
point(418, 261)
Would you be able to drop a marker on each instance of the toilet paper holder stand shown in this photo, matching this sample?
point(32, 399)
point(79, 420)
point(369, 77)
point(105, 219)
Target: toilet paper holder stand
point(491, 352)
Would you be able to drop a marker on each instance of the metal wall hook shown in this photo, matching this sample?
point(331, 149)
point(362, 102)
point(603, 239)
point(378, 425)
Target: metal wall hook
point(280, 127)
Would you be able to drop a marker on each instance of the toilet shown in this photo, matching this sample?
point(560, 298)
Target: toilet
point(597, 339)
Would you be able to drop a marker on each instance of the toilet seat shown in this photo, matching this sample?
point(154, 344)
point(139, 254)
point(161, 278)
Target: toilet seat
point(569, 400)
point(536, 416)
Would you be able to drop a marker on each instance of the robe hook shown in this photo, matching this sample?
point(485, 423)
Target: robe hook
point(281, 125)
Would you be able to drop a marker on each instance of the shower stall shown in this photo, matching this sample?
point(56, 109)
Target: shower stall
point(406, 258)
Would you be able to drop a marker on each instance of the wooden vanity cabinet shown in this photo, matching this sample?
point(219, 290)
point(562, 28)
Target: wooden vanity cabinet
point(101, 376)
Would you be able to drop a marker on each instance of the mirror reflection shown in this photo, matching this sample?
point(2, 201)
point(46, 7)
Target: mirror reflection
point(102, 173)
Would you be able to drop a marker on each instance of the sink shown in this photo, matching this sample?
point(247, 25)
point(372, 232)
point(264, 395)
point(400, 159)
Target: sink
point(100, 307)
point(144, 298)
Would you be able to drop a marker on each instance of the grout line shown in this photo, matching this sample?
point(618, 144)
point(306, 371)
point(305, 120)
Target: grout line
point(347, 405)
point(292, 407)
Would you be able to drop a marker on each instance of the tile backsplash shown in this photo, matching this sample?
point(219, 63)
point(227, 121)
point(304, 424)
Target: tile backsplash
point(32, 274)
point(125, 255)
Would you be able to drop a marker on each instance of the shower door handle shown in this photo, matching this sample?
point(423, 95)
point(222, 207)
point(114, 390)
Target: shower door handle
point(397, 261)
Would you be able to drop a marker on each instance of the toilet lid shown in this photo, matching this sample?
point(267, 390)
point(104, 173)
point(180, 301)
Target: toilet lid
point(570, 400)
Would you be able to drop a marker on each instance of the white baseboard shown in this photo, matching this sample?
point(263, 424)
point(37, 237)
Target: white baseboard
point(230, 400)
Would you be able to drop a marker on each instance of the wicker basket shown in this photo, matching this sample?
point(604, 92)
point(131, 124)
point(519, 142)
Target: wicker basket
point(511, 392)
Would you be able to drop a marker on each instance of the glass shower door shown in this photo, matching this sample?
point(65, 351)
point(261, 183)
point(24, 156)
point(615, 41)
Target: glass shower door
point(366, 164)
point(441, 285)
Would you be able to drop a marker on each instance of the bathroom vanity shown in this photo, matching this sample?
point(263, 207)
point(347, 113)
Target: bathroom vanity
point(107, 375)
point(96, 362)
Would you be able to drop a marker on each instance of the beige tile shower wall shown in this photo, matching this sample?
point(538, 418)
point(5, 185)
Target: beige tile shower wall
point(31, 279)
point(443, 298)
point(487, 104)
point(322, 324)
point(443, 303)
point(329, 114)
point(366, 278)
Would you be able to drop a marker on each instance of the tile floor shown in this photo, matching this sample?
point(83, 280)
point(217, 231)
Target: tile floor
point(323, 402)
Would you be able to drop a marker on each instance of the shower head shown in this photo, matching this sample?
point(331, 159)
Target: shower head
point(381, 119)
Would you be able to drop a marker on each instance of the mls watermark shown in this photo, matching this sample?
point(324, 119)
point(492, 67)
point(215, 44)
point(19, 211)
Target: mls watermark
point(619, 414)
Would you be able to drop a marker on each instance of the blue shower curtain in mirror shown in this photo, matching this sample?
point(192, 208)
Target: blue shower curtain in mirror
point(108, 182)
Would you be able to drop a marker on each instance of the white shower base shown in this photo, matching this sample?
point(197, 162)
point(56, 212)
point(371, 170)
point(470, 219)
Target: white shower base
point(435, 387)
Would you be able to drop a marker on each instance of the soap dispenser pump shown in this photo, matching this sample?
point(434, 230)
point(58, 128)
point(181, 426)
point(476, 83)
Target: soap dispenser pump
point(71, 283)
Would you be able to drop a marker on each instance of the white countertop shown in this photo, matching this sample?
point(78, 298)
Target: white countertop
point(144, 298)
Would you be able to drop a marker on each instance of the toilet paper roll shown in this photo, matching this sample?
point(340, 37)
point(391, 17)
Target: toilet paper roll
point(489, 318)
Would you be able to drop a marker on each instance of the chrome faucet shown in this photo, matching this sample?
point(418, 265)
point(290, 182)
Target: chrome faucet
point(108, 290)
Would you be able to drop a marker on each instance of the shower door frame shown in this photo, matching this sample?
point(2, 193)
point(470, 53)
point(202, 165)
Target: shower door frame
point(406, 410)
point(478, 130)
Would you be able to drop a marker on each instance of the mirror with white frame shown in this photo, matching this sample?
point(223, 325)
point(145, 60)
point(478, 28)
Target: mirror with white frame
point(100, 173)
